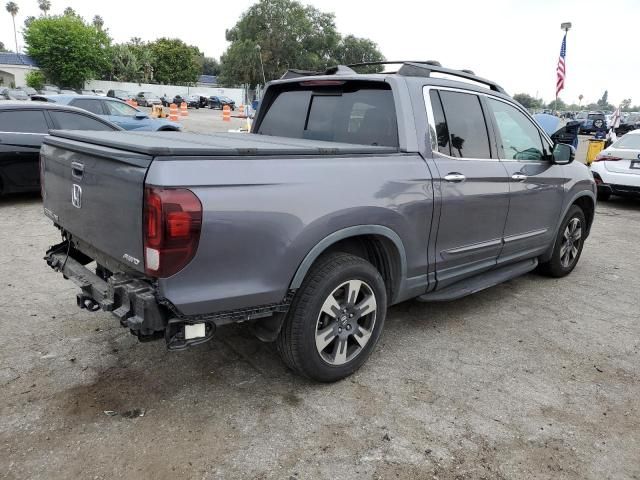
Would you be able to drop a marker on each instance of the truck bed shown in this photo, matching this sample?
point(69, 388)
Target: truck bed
point(221, 144)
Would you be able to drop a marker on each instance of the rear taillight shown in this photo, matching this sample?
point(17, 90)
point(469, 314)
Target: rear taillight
point(606, 158)
point(172, 224)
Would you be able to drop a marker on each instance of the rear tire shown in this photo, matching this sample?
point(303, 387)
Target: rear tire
point(335, 319)
point(568, 244)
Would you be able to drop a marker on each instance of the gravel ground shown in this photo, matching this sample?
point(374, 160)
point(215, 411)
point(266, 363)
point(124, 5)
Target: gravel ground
point(535, 378)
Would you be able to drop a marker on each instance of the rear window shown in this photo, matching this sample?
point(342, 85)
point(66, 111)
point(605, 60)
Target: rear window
point(631, 142)
point(23, 121)
point(595, 116)
point(76, 121)
point(355, 112)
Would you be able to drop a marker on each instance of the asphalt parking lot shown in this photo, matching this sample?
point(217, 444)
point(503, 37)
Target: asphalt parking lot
point(535, 378)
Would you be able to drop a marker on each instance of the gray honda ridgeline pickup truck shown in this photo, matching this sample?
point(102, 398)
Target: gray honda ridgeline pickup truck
point(353, 192)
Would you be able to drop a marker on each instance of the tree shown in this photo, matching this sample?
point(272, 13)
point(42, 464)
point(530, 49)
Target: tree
point(527, 101)
point(290, 35)
point(12, 8)
point(28, 20)
point(45, 6)
point(2, 48)
point(359, 50)
point(68, 50)
point(124, 64)
point(604, 101)
point(580, 97)
point(557, 105)
point(210, 66)
point(70, 12)
point(35, 79)
point(98, 22)
point(626, 104)
point(174, 61)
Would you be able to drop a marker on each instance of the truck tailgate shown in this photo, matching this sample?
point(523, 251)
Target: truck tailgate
point(96, 194)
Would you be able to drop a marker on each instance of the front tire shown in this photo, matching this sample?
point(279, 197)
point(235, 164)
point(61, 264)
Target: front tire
point(335, 319)
point(568, 244)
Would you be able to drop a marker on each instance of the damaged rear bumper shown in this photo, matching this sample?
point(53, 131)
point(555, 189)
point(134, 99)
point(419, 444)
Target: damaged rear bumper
point(131, 299)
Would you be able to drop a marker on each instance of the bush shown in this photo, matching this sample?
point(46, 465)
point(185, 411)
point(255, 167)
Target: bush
point(35, 79)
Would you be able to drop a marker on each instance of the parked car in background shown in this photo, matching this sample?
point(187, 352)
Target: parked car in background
point(68, 91)
point(13, 94)
point(86, 92)
point(51, 88)
point(352, 193)
point(595, 121)
point(630, 122)
point(192, 101)
point(24, 126)
point(219, 101)
point(616, 169)
point(203, 100)
point(100, 92)
point(147, 99)
point(113, 110)
point(29, 91)
point(120, 95)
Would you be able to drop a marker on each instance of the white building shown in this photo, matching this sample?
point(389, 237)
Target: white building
point(14, 68)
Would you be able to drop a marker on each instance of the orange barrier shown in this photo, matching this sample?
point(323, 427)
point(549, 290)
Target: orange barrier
point(226, 113)
point(173, 112)
point(183, 109)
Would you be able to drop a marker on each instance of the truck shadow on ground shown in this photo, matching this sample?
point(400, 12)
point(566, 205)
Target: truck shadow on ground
point(234, 368)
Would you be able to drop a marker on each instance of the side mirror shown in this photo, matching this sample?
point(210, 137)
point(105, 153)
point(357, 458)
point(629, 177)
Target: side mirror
point(563, 154)
point(140, 115)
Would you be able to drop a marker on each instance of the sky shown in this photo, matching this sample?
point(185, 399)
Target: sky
point(515, 43)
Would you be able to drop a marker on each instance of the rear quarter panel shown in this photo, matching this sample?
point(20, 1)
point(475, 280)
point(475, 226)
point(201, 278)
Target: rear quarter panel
point(262, 216)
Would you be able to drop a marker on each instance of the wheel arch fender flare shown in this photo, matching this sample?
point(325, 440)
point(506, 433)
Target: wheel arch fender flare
point(581, 194)
point(345, 233)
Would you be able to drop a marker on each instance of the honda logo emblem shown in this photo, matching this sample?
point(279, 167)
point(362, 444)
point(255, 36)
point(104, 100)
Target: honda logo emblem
point(76, 196)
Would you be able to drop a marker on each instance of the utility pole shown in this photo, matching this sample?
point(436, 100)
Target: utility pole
point(259, 48)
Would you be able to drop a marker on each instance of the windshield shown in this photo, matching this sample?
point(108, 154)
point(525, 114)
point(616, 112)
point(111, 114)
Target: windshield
point(351, 112)
point(628, 142)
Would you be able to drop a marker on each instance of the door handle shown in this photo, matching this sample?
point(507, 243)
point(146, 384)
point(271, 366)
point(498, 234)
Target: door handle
point(455, 177)
point(77, 170)
point(519, 177)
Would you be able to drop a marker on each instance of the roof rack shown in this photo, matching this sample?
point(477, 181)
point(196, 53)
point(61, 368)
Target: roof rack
point(424, 68)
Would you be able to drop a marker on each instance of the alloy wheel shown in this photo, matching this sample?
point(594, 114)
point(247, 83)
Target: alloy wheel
point(345, 322)
point(571, 242)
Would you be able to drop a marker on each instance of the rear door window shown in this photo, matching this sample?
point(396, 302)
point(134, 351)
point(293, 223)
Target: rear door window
point(120, 109)
point(466, 125)
point(355, 112)
point(77, 121)
point(23, 121)
point(90, 105)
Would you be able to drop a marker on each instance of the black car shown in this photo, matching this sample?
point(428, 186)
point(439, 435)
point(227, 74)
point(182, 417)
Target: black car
point(23, 126)
point(191, 100)
point(219, 101)
point(631, 122)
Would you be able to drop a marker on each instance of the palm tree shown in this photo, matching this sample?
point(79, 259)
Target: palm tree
point(12, 8)
point(45, 6)
point(98, 22)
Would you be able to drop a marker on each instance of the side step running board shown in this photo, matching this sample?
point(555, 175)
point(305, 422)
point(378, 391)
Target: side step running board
point(480, 282)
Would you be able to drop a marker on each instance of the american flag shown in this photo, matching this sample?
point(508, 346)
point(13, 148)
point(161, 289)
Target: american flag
point(561, 67)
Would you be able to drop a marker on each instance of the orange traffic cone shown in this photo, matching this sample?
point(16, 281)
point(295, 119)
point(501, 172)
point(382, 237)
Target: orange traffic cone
point(173, 112)
point(226, 113)
point(183, 109)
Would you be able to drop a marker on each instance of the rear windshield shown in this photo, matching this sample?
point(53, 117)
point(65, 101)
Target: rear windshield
point(596, 116)
point(631, 142)
point(352, 112)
